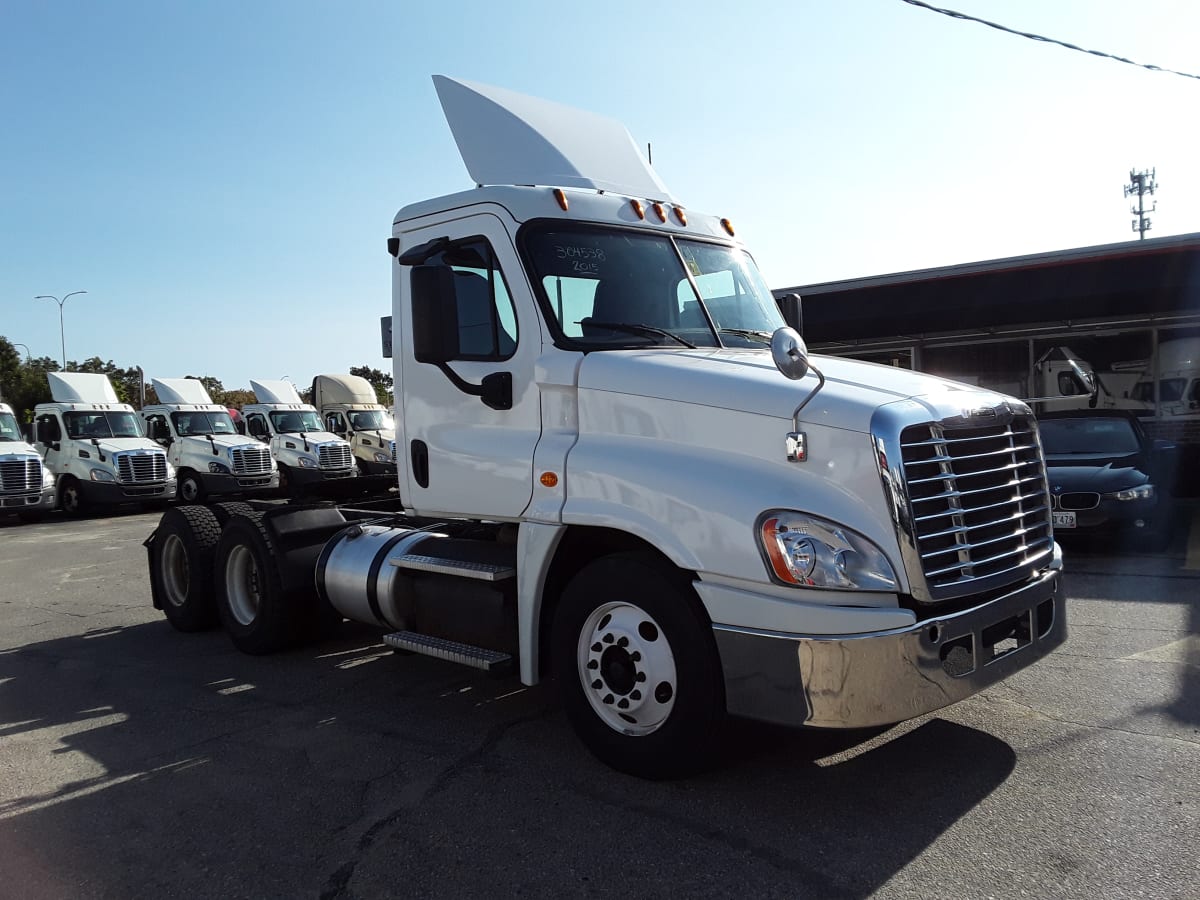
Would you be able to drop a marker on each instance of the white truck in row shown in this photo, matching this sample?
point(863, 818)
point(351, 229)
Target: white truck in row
point(95, 447)
point(350, 409)
point(619, 466)
point(209, 456)
point(26, 486)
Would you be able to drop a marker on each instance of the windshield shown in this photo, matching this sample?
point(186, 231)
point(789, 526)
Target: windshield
point(1098, 435)
point(611, 288)
point(296, 421)
point(84, 425)
point(1170, 390)
point(193, 423)
point(8, 428)
point(370, 420)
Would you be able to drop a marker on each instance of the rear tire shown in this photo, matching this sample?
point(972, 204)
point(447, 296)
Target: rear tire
point(638, 669)
point(181, 560)
point(250, 596)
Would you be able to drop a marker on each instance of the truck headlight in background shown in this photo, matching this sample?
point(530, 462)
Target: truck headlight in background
point(218, 468)
point(1141, 492)
point(383, 457)
point(808, 551)
point(170, 472)
point(47, 478)
point(102, 475)
point(306, 462)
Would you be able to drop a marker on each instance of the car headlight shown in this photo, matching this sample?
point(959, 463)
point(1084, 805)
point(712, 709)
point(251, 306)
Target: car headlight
point(102, 475)
point(307, 462)
point(807, 551)
point(1141, 492)
point(218, 468)
point(383, 457)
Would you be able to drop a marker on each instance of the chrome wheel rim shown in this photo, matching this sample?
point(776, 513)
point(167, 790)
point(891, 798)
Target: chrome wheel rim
point(175, 570)
point(626, 668)
point(242, 585)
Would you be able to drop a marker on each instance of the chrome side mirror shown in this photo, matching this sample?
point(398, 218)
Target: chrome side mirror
point(789, 353)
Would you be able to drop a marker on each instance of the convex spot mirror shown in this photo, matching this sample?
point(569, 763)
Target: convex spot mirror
point(789, 353)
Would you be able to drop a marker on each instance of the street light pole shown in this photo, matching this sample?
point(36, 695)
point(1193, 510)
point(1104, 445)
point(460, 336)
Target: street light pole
point(62, 333)
point(15, 345)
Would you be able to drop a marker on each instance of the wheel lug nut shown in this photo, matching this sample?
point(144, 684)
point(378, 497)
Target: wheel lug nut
point(597, 647)
point(622, 641)
point(608, 698)
point(608, 639)
point(622, 703)
point(640, 676)
point(597, 684)
point(593, 664)
point(635, 694)
point(635, 656)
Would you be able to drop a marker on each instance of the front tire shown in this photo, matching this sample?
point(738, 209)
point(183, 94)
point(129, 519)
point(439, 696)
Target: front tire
point(181, 560)
point(191, 489)
point(71, 498)
point(638, 668)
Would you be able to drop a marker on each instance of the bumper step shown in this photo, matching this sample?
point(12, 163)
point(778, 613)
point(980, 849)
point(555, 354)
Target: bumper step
point(463, 569)
point(494, 662)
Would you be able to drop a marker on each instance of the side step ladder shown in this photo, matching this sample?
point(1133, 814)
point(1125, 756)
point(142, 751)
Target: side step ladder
point(494, 662)
point(477, 571)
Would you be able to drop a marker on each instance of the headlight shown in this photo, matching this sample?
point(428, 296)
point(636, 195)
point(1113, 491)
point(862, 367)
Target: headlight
point(806, 551)
point(47, 478)
point(218, 468)
point(102, 475)
point(307, 462)
point(170, 472)
point(1141, 492)
point(383, 457)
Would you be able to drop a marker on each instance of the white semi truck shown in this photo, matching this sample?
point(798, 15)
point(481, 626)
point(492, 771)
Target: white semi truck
point(351, 410)
point(307, 455)
point(95, 447)
point(26, 486)
point(209, 456)
point(619, 466)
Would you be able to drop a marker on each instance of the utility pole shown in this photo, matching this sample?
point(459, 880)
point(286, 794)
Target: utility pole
point(1141, 183)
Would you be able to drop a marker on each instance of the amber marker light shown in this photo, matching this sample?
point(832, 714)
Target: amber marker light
point(638, 208)
point(549, 479)
point(728, 226)
point(681, 215)
point(661, 211)
point(561, 197)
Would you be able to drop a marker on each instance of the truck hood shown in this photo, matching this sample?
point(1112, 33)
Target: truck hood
point(17, 448)
point(747, 380)
point(223, 442)
point(117, 445)
point(313, 437)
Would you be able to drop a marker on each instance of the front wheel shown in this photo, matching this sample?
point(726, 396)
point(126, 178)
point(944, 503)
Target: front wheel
point(191, 489)
point(71, 498)
point(640, 677)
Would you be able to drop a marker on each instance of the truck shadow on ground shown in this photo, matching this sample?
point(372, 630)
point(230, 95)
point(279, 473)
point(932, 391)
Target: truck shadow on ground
point(144, 762)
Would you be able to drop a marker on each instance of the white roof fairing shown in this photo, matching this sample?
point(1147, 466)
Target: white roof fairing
point(510, 138)
point(81, 387)
point(272, 391)
point(181, 390)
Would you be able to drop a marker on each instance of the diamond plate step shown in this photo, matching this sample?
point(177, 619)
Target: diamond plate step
point(463, 569)
point(494, 662)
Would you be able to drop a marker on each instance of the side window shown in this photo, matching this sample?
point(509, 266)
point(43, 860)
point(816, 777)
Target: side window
point(487, 319)
point(257, 426)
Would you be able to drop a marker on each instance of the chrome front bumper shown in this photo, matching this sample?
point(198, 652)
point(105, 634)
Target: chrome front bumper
point(864, 680)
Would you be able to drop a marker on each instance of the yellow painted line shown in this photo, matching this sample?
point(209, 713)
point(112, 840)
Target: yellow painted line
point(1192, 560)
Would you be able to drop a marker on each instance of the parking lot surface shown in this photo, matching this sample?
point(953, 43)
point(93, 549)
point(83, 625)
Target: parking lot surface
point(136, 761)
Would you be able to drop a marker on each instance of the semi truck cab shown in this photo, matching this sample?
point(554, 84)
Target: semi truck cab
point(26, 486)
point(307, 455)
point(203, 445)
point(350, 409)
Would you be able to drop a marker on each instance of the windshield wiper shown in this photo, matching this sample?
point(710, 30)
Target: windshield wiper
point(764, 336)
point(638, 328)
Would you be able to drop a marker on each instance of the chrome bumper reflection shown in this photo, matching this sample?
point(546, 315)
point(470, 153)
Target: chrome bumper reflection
point(863, 680)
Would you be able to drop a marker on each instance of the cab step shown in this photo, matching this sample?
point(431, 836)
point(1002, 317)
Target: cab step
point(494, 662)
point(479, 571)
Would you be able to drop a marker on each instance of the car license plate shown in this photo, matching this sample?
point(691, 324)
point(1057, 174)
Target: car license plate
point(1063, 519)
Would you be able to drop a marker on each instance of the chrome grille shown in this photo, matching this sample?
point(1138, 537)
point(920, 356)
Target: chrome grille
point(251, 460)
point(141, 468)
point(20, 475)
point(978, 500)
point(335, 456)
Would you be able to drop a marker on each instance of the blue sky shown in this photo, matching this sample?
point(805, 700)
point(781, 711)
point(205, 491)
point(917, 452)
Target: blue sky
point(221, 177)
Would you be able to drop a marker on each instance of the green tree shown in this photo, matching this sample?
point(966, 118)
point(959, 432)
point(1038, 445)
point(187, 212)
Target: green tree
point(23, 385)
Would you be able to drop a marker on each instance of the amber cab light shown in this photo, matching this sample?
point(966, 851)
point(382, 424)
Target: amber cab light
point(661, 211)
point(681, 215)
point(549, 479)
point(561, 197)
point(728, 226)
point(638, 208)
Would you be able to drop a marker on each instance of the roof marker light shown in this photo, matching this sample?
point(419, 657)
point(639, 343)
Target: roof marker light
point(728, 226)
point(681, 215)
point(561, 197)
point(662, 213)
point(638, 208)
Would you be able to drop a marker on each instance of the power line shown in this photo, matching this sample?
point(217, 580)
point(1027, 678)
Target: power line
point(1037, 37)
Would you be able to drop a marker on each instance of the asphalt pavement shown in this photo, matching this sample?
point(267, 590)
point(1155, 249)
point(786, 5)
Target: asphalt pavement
point(136, 761)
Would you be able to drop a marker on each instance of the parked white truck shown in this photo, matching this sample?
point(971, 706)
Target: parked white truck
point(350, 409)
point(620, 466)
point(26, 486)
point(307, 455)
point(209, 456)
point(95, 447)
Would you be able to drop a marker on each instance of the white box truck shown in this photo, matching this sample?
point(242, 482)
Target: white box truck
point(26, 486)
point(95, 447)
point(209, 456)
point(308, 456)
point(620, 466)
point(350, 409)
